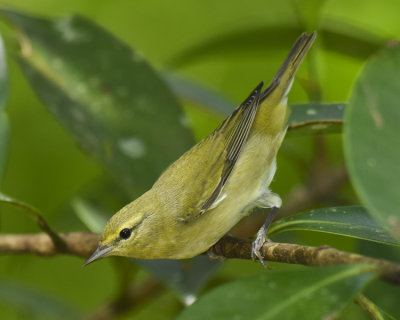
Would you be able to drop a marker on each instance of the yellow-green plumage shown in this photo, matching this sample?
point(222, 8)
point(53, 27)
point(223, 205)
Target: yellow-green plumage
point(203, 194)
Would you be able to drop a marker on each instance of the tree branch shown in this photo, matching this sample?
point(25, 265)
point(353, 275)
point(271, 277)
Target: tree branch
point(230, 247)
point(82, 244)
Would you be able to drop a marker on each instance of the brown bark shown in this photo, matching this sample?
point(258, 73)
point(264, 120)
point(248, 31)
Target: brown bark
point(82, 244)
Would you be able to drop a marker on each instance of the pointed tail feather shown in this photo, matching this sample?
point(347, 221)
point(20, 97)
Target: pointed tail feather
point(284, 77)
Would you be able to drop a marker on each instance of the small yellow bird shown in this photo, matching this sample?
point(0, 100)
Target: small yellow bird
point(209, 189)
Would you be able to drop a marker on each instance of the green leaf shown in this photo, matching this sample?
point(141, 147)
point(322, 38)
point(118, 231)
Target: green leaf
point(103, 92)
point(319, 293)
point(371, 138)
point(354, 222)
point(314, 117)
point(37, 303)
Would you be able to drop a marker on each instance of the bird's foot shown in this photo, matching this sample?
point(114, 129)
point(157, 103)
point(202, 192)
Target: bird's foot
point(257, 245)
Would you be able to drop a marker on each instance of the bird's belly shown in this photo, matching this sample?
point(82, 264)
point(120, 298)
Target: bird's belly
point(251, 176)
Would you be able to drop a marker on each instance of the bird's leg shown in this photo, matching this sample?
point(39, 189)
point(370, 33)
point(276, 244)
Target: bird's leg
point(266, 200)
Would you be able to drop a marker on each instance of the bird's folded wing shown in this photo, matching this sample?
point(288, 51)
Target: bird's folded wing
point(222, 153)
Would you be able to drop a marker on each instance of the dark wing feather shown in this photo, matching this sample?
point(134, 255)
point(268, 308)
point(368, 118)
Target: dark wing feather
point(236, 128)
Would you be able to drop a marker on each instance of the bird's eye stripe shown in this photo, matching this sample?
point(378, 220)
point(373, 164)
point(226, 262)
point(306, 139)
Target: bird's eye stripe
point(129, 230)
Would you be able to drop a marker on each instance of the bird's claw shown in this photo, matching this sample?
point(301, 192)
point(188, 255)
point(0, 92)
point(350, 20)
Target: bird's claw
point(257, 245)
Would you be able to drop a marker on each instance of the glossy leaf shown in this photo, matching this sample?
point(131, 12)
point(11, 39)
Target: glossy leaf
point(354, 222)
point(372, 135)
point(35, 302)
point(113, 102)
point(318, 293)
point(313, 118)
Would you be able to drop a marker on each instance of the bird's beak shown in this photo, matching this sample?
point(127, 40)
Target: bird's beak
point(100, 252)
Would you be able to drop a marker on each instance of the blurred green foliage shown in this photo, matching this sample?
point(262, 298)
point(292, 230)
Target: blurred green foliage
point(215, 49)
point(374, 117)
point(288, 297)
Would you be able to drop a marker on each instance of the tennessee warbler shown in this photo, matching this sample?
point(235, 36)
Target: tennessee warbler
point(208, 190)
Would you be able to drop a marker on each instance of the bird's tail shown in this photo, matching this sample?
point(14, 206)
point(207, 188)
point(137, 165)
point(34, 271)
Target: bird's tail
point(283, 80)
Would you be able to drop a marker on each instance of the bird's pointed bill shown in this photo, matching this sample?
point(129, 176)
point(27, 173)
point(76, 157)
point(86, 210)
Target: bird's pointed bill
point(99, 253)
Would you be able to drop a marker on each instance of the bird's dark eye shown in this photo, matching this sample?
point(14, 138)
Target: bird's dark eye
point(125, 233)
